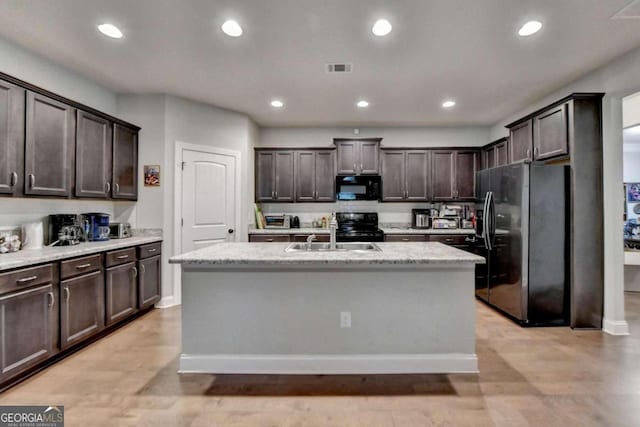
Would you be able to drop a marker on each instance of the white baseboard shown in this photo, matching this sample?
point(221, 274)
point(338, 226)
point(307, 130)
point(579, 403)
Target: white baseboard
point(167, 302)
point(329, 364)
point(615, 327)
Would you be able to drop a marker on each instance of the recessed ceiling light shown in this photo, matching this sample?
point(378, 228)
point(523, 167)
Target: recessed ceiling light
point(232, 28)
point(382, 27)
point(277, 103)
point(362, 104)
point(110, 30)
point(530, 28)
point(449, 103)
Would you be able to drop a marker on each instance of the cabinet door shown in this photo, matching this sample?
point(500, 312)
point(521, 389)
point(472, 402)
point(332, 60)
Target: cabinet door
point(149, 271)
point(265, 176)
point(521, 142)
point(284, 188)
point(49, 146)
point(93, 156)
point(369, 158)
point(122, 292)
point(417, 176)
point(81, 308)
point(502, 154)
point(11, 138)
point(442, 175)
point(28, 322)
point(393, 176)
point(465, 174)
point(325, 179)
point(305, 176)
point(125, 163)
point(490, 157)
point(348, 157)
point(550, 134)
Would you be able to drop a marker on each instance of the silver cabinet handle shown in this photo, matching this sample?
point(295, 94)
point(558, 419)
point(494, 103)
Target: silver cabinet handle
point(269, 240)
point(52, 299)
point(122, 256)
point(355, 169)
point(108, 187)
point(117, 188)
point(32, 180)
point(361, 167)
point(276, 194)
point(142, 269)
point(67, 294)
point(405, 240)
point(528, 154)
point(536, 152)
point(135, 271)
point(152, 250)
point(14, 179)
point(27, 279)
point(82, 266)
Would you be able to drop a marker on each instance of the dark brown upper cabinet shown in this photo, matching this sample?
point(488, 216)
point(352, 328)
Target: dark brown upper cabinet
point(551, 133)
point(125, 163)
point(11, 138)
point(495, 154)
point(454, 173)
point(315, 175)
point(521, 142)
point(275, 176)
point(405, 175)
point(94, 139)
point(49, 146)
point(358, 156)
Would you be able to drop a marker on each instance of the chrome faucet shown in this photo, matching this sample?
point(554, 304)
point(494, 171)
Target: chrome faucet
point(309, 240)
point(333, 225)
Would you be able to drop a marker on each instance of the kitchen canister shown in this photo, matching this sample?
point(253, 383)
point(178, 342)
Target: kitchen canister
point(33, 235)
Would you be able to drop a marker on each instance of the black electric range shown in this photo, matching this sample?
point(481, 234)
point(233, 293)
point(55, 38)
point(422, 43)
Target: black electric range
point(358, 227)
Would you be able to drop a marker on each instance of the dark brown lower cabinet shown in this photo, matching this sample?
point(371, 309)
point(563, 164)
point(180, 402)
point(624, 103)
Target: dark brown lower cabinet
point(81, 308)
point(149, 271)
point(28, 329)
point(121, 292)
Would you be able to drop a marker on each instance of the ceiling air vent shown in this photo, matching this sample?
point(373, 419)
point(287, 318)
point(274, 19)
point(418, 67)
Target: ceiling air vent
point(339, 68)
point(630, 11)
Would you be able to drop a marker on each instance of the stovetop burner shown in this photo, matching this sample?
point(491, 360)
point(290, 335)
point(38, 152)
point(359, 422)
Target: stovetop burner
point(358, 227)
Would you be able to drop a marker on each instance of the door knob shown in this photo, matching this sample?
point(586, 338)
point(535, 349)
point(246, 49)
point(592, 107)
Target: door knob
point(230, 231)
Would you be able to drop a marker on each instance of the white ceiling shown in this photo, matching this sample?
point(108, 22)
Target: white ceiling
point(463, 49)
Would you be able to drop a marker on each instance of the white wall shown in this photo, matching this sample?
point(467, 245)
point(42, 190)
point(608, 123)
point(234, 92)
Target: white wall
point(36, 70)
point(392, 136)
point(631, 110)
point(617, 79)
point(632, 166)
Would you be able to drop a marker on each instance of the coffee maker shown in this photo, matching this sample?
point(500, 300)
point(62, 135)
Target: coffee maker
point(65, 230)
point(96, 226)
point(420, 218)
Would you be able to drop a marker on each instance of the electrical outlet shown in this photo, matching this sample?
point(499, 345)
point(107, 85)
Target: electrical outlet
point(345, 319)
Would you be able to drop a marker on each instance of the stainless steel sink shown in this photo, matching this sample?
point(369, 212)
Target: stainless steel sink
point(324, 247)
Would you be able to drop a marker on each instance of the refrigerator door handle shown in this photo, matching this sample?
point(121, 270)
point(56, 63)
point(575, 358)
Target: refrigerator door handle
point(492, 230)
point(486, 223)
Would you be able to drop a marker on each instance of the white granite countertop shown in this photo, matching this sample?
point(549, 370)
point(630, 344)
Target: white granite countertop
point(406, 230)
point(29, 257)
point(302, 230)
point(274, 254)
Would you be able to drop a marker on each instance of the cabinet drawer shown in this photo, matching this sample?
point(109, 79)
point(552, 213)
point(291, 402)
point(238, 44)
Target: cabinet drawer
point(269, 238)
point(303, 237)
point(25, 278)
point(147, 251)
point(121, 257)
point(405, 238)
point(454, 240)
point(79, 266)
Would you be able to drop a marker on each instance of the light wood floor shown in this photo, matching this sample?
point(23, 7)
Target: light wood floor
point(536, 377)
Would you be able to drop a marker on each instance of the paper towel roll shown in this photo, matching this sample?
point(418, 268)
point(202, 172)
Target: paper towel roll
point(33, 235)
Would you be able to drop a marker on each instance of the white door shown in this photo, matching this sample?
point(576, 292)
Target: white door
point(209, 192)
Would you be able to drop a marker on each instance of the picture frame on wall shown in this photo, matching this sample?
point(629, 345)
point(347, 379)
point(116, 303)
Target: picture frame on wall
point(633, 192)
point(152, 175)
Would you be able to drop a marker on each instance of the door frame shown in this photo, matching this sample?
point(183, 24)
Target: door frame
point(180, 147)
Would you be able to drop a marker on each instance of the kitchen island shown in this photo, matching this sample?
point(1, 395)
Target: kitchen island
point(255, 308)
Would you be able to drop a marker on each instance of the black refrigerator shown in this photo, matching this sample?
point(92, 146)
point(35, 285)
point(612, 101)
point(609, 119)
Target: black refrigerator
point(521, 230)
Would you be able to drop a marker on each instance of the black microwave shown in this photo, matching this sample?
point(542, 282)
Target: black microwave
point(360, 187)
